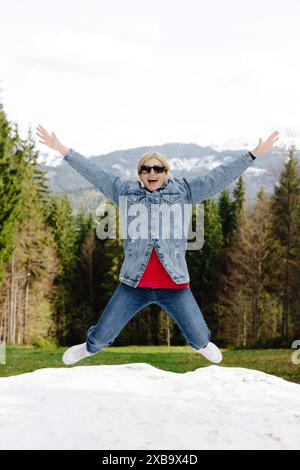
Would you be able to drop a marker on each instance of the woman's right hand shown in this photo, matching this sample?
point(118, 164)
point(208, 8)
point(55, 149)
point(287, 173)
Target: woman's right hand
point(50, 140)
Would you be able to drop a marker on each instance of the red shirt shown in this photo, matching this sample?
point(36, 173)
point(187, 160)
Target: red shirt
point(155, 275)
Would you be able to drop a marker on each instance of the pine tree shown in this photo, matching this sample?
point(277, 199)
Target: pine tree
point(202, 264)
point(62, 223)
point(265, 307)
point(27, 304)
point(231, 302)
point(227, 215)
point(285, 217)
point(12, 166)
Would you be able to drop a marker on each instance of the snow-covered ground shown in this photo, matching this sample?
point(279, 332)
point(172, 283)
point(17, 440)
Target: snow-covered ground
point(137, 406)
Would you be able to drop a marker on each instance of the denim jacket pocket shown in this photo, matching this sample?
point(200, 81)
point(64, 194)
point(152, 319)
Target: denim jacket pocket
point(171, 197)
point(134, 196)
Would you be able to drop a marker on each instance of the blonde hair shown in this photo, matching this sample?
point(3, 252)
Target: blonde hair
point(148, 155)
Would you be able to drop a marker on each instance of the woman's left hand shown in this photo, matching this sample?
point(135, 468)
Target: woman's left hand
point(267, 146)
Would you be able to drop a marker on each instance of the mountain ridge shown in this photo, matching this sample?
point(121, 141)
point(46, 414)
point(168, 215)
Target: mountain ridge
point(186, 159)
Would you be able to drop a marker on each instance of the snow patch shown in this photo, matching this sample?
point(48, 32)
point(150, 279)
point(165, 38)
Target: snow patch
point(256, 171)
point(137, 406)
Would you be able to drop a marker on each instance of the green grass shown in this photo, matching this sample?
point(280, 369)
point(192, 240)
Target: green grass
point(22, 359)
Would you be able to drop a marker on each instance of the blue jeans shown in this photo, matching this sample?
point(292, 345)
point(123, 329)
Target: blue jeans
point(127, 301)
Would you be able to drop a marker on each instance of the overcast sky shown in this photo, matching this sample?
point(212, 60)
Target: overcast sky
point(110, 75)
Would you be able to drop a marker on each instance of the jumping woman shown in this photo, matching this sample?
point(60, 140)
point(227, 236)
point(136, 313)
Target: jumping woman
point(154, 269)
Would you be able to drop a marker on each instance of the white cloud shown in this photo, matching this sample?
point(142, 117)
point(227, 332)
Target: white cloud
point(117, 76)
point(88, 52)
point(146, 30)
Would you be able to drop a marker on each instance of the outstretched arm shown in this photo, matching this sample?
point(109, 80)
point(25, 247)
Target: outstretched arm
point(204, 187)
point(105, 181)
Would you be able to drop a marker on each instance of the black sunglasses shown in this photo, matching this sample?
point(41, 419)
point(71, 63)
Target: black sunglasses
point(156, 168)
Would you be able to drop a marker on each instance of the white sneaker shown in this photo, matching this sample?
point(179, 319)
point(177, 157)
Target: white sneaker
point(75, 354)
point(211, 352)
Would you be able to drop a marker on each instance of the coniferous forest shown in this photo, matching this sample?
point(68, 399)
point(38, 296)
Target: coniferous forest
point(56, 275)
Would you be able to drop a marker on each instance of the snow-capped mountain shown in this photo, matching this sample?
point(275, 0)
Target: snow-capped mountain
point(189, 160)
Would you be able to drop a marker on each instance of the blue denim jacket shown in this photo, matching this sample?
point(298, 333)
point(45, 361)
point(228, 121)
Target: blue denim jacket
point(181, 191)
